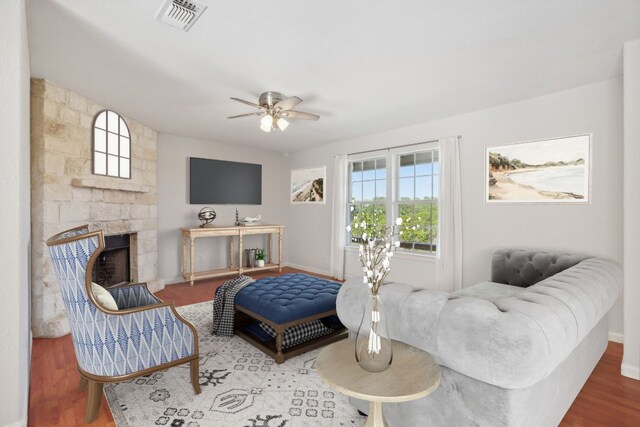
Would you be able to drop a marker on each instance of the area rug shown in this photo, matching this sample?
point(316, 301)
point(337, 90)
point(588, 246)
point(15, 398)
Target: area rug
point(241, 387)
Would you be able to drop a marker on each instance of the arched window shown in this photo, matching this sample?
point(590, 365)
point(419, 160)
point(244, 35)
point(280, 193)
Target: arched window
point(111, 145)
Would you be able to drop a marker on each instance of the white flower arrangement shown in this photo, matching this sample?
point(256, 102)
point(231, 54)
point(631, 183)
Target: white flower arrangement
point(375, 252)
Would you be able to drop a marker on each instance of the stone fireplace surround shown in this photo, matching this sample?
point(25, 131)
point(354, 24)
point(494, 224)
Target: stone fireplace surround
point(65, 194)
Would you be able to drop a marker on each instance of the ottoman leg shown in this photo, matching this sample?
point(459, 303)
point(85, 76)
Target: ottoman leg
point(279, 355)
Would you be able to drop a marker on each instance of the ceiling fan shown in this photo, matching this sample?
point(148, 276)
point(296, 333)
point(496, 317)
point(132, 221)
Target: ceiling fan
point(275, 108)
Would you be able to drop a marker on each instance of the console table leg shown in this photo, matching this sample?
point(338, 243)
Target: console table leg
point(269, 248)
point(230, 252)
point(376, 417)
point(280, 252)
point(192, 259)
point(240, 270)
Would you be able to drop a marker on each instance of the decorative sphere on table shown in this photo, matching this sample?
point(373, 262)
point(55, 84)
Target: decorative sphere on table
point(206, 216)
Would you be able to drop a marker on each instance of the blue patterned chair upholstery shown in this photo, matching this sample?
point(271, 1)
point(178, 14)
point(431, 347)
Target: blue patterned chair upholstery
point(144, 335)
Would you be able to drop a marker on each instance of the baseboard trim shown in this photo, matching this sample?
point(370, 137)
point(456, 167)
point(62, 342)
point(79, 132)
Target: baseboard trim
point(616, 337)
point(19, 423)
point(630, 371)
point(309, 269)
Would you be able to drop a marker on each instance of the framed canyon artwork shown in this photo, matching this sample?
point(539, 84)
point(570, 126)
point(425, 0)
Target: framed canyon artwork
point(546, 171)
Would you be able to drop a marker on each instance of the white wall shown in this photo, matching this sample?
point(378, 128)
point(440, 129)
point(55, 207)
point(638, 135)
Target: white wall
point(594, 228)
point(631, 358)
point(175, 212)
point(14, 213)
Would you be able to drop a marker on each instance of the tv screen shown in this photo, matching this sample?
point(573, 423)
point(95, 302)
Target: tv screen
point(219, 182)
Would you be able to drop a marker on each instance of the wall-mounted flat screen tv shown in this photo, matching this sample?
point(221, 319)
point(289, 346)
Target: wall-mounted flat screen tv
point(219, 182)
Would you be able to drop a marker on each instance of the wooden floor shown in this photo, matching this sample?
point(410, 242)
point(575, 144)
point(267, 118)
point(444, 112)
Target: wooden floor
point(607, 399)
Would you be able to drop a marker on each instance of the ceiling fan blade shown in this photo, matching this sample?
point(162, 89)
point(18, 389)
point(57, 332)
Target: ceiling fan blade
point(287, 104)
point(299, 115)
point(261, 113)
point(247, 102)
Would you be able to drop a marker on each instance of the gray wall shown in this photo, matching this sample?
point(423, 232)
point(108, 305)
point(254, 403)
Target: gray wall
point(175, 212)
point(594, 228)
point(631, 359)
point(14, 213)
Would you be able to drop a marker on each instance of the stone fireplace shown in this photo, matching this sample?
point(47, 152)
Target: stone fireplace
point(65, 194)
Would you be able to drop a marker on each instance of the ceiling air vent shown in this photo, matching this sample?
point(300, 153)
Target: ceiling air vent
point(180, 14)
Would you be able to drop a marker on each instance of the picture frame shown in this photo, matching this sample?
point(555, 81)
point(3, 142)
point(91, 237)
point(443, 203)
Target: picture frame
point(308, 186)
point(555, 170)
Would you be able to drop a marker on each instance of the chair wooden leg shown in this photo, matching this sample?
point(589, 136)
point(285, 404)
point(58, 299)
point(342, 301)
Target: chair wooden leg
point(195, 375)
point(94, 399)
point(84, 383)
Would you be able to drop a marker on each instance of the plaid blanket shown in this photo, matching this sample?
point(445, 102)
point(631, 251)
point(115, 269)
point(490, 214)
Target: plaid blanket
point(299, 333)
point(224, 305)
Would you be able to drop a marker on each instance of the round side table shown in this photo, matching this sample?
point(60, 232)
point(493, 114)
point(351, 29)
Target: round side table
point(413, 374)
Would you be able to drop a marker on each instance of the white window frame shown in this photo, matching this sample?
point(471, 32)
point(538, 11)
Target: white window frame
point(111, 142)
point(391, 203)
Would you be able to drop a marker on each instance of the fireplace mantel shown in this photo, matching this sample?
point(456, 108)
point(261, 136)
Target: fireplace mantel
point(109, 185)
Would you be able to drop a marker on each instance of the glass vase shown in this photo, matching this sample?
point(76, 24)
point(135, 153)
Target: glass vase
point(373, 345)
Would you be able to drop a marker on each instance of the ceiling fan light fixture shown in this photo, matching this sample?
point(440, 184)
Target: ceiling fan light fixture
point(266, 123)
point(282, 123)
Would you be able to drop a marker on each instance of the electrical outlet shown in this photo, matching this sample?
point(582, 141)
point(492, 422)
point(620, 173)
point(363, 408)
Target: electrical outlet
point(201, 259)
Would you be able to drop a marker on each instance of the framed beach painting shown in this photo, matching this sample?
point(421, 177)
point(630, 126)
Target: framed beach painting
point(547, 171)
point(307, 185)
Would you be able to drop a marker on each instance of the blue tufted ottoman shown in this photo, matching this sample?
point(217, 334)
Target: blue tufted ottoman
point(285, 301)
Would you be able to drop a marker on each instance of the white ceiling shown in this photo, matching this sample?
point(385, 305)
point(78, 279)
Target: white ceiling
point(365, 66)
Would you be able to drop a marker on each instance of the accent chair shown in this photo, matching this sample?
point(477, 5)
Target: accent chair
point(143, 335)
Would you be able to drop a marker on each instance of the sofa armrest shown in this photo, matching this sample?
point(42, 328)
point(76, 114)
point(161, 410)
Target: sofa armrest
point(412, 312)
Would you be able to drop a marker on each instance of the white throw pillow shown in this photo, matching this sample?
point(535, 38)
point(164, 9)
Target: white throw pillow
point(104, 297)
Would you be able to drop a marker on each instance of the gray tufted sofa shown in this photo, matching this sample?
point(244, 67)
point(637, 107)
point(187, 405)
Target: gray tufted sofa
point(514, 351)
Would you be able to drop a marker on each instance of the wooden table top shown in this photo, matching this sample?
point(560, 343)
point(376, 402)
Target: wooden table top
point(413, 373)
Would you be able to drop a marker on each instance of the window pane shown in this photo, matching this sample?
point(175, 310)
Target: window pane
point(112, 165)
point(368, 169)
point(406, 165)
point(423, 187)
point(368, 190)
point(124, 147)
point(353, 220)
point(124, 168)
point(375, 216)
point(101, 120)
point(112, 144)
point(423, 163)
point(381, 169)
point(356, 171)
point(381, 189)
point(100, 140)
point(99, 163)
point(112, 121)
point(405, 189)
point(436, 168)
point(123, 128)
point(356, 191)
point(436, 186)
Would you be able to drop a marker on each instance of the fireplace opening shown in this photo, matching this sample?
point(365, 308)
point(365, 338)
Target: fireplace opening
point(113, 266)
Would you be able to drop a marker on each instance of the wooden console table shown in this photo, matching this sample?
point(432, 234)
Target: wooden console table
point(189, 236)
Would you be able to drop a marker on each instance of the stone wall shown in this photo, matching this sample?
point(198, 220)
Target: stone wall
point(65, 194)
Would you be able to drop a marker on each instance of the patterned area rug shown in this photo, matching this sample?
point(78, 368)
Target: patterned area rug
point(241, 387)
